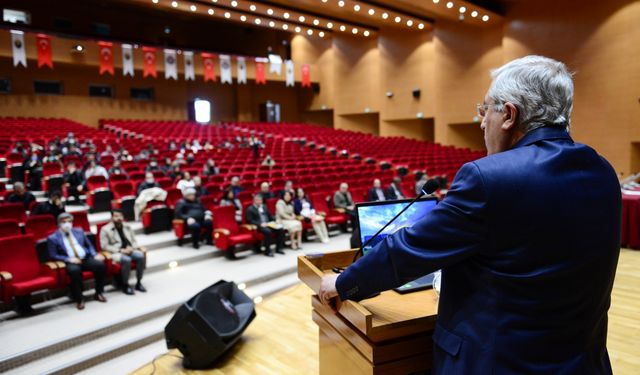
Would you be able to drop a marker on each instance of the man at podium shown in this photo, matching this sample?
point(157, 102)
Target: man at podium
point(527, 238)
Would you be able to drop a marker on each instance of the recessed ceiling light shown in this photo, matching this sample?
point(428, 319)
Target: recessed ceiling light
point(356, 7)
point(316, 22)
point(286, 15)
point(193, 8)
point(258, 21)
point(324, 1)
point(227, 15)
point(421, 26)
point(485, 18)
point(174, 4)
point(154, 1)
point(366, 33)
point(462, 9)
point(372, 12)
point(321, 34)
point(329, 25)
point(397, 19)
point(269, 11)
point(301, 18)
point(340, 3)
point(436, 1)
point(409, 23)
point(343, 27)
point(234, 3)
point(78, 48)
point(474, 14)
point(310, 32)
point(385, 15)
point(252, 8)
point(272, 24)
point(210, 11)
point(297, 29)
point(243, 18)
point(354, 30)
point(285, 26)
point(450, 5)
point(214, 1)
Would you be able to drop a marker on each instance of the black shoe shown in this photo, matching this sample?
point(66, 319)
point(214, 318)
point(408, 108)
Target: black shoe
point(141, 288)
point(268, 254)
point(25, 310)
point(100, 298)
point(127, 290)
point(80, 305)
point(196, 245)
point(209, 242)
point(257, 250)
point(279, 251)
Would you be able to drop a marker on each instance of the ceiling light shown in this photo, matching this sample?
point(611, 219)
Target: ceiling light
point(436, 1)
point(243, 18)
point(356, 7)
point(366, 33)
point(252, 8)
point(258, 21)
point(297, 29)
point(214, 1)
point(340, 3)
point(485, 18)
point(272, 24)
point(174, 4)
point(269, 11)
point(193, 8)
point(324, 1)
point(463, 9)
point(329, 25)
point(316, 22)
point(354, 30)
point(78, 48)
point(310, 32)
point(449, 5)
point(397, 19)
point(227, 15)
point(210, 11)
point(421, 26)
point(372, 12)
point(474, 14)
point(285, 26)
point(154, 1)
point(234, 3)
point(385, 15)
point(301, 18)
point(409, 23)
point(286, 15)
point(343, 27)
point(321, 34)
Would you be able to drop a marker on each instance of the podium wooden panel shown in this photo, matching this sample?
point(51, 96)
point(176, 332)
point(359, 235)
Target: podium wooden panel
point(387, 334)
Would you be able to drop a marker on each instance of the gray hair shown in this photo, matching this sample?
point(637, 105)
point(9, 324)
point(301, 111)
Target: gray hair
point(541, 88)
point(64, 215)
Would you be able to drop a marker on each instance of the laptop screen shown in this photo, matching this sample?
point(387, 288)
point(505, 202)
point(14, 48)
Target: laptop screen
point(372, 216)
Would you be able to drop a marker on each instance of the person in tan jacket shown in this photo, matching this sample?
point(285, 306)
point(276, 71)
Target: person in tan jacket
point(117, 238)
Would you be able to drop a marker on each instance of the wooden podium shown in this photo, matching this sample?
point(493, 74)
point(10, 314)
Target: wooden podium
point(387, 334)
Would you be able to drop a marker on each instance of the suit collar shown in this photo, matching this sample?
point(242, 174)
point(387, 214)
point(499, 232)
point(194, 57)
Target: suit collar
point(542, 134)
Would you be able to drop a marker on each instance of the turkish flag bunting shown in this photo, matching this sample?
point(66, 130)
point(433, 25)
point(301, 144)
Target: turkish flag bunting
point(260, 78)
point(106, 57)
point(209, 67)
point(306, 75)
point(149, 54)
point(44, 50)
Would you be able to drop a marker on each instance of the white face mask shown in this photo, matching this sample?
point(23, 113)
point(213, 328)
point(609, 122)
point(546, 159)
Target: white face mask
point(66, 227)
point(150, 180)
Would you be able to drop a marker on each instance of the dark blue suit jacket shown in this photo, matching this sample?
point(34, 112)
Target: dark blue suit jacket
point(528, 241)
point(57, 251)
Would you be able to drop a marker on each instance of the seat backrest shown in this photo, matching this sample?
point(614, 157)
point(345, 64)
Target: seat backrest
point(319, 201)
point(18, 257)
point(225, 217)
point(13, 211)
point(9, 228)
point(271, 205)
point(122, 189)
point(81, 220)
point(96, 182)
point(173, 196)
point(40, 226)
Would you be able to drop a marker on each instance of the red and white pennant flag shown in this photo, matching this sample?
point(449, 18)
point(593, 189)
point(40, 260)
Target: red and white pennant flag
point(17, 44)
point(149, 54)
point(44, 50)
point(106, 57)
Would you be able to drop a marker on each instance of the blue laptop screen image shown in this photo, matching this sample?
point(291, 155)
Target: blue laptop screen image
point(373, 216)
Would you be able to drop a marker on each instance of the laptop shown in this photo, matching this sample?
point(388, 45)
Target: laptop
point(371, 216)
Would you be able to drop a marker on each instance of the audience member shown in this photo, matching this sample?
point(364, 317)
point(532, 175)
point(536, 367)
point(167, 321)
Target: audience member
point(195, 216)
point(33, 165)
point(53, 206)
point(152, 166)
point(376, 193)
point(265, 193)
point(116, 168)
point(394, 191)
point(108, 152)
point(288, 186)
point(285, 214)
point(421, 179)
point(229, 199)
point(118, 239)
point(207, 146)
point(148, 183)
point(167, 166)
point(235, 185)
point(75, 183)
point(197, 184)
point(21, 195)
point(342, 200)
point(71, 151)
point(95, 169)
point(176, 172)
point(268, 162)
point(20, 149)
point(258, 214)
point(210, 168)
point(71, 246)
point(255, 145)
point(185, 182)
point(303, 207)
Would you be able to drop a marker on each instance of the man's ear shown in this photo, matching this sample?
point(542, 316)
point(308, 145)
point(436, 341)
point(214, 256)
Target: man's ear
point(510, 116)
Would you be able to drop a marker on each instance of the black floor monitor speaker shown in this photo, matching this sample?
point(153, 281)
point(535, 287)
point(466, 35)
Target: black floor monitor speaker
point(209, 324)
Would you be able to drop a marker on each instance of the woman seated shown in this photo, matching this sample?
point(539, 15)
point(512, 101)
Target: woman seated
point(229, 199)
point(285, 214)
point(303, 207)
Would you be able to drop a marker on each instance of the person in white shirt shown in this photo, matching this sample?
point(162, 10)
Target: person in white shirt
point(185, 182)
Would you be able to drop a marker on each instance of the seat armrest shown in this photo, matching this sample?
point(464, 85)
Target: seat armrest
point(6, 276)
point(143, 249)
point(107, 255)
point(223, 231)
point(51, 265)
point(249, 226)
point(341, 210)
point(61, 265)
point(321, 213)
point(177, 221)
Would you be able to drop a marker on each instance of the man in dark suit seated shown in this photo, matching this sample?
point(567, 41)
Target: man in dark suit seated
point(195, 216)
point(71, 246)
point(394, 191)
point(258, 214)
point(376, 193)
point(527, 238)
point(21, 195)
point(53, 206)
point(74, 180)
point(265, 193)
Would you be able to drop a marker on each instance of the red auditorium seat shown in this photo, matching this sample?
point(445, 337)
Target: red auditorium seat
point(9, 228)
point(40, 226)
point(81, 220)
point(98, 194)
point(156, 217)
point(332, 216)
point(227, 232)
point(173, 196)
point(20, 271)
point(124, 198)
point(13, 211)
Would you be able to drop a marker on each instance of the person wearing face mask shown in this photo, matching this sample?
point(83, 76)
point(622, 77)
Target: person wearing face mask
point(149, 182)
point(195, 216)
point(33, 164)
point(21, 195)
point(118, 239)
point(71, 246)
point(53, 206)
point(116, 168)
point(74, 181)
point(152, 166)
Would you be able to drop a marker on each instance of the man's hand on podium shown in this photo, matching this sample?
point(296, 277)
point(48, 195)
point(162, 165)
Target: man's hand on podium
point(328, 291)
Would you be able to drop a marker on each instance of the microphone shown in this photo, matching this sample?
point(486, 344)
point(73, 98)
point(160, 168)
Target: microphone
point(428, 188)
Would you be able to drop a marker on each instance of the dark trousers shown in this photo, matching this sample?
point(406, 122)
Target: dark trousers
point(268, 234)
point(125, 260)
point(197, 227)
point(72, 191)
point(74, 271)
point(352, 218)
